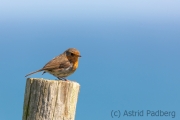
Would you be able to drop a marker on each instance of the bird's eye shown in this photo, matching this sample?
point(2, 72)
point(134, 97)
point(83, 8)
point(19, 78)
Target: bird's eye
point(72, 54)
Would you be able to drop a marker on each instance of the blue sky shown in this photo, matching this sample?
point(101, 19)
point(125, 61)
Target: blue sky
point(130, 53)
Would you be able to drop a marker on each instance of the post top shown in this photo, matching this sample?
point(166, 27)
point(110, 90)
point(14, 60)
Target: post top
point(49, 80)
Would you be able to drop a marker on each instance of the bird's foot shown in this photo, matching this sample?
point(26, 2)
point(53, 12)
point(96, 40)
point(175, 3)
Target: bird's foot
point(62, 78)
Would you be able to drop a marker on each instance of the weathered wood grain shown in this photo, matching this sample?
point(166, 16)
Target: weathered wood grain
point(50, 99)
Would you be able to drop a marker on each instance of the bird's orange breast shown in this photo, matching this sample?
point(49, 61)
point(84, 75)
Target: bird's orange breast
point(75, 65)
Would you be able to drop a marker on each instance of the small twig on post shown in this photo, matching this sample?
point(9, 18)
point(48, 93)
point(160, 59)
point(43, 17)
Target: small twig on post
point(50, 99)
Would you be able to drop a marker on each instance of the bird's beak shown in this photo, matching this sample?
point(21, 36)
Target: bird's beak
point(79, 55)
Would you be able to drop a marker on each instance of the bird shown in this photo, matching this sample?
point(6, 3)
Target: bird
point(63, 65)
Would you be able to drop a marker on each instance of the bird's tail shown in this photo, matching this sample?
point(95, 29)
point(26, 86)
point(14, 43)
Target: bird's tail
point(34, 72)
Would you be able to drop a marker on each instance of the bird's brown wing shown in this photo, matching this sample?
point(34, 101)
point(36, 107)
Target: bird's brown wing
point(56, 63)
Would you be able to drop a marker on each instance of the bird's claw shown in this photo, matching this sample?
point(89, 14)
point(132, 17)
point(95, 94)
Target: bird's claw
point(62, 78)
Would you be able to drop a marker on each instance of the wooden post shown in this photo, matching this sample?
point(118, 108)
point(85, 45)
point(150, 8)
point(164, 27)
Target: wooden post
point(50, 99)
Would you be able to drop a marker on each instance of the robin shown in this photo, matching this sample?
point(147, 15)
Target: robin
point(63, 65)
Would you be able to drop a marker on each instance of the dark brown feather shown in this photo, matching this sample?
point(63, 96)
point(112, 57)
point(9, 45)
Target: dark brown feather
point(58, 62)
point(34, 72)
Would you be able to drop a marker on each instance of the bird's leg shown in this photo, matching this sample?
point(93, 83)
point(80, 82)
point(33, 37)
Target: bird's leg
point(62, 78)
point(59, 78)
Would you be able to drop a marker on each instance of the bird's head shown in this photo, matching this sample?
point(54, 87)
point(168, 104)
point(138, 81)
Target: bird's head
point(72, 54)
